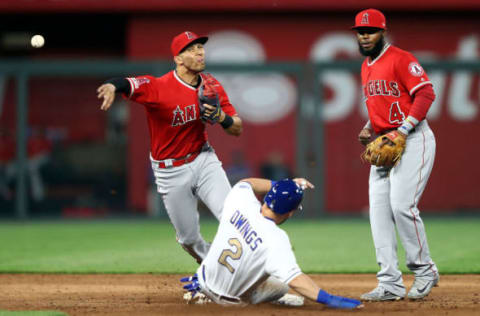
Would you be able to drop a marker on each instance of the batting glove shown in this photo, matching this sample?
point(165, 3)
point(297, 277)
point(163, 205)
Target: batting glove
point(192, 287)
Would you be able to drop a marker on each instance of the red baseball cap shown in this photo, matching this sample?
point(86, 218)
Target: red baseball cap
point(184, 39)
point(370, 18)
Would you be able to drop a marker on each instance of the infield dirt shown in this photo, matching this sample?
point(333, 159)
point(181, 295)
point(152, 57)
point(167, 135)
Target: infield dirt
point(134, 294)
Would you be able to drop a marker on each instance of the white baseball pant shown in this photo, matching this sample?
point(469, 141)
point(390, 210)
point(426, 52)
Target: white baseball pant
point(269, 290)
point(180, 187)
point(394, 197)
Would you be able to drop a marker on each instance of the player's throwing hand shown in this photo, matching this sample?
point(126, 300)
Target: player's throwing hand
point(304, 183)
point(107, 92)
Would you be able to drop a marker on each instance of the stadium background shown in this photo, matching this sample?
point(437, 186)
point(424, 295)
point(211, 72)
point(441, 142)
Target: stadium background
point(83, 162)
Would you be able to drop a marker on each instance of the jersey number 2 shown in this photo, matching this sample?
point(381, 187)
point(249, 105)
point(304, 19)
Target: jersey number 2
point(396, 114)
point(226, 253)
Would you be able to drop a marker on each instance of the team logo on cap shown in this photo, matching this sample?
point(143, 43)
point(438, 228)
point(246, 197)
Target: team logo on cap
point(189, 35)
point(365, 19)
point(415, 69)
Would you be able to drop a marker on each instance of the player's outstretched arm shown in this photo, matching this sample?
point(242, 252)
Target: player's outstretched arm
point(109, 88)
point(262, 186)
point(107, 92)
point(259, 186)
point(305, 286)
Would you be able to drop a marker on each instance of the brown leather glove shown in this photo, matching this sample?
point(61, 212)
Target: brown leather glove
point(385, 150)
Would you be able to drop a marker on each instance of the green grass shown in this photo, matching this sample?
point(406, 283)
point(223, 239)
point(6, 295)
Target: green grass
point(326, 246)
point(346, 246)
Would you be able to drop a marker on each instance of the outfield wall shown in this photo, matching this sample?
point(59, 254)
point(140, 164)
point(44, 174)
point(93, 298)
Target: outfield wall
point(320, 37)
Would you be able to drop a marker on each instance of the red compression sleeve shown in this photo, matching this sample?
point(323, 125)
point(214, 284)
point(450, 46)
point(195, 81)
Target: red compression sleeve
point(423, 99)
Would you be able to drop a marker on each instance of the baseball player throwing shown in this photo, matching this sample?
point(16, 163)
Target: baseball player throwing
point(251, 259)
point(177, 106)
point(398, 95)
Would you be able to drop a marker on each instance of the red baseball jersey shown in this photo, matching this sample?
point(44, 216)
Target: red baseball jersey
point(389, 83)
point(173, 114)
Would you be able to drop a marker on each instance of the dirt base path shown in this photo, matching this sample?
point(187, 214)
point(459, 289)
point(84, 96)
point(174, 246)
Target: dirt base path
point(162, 295)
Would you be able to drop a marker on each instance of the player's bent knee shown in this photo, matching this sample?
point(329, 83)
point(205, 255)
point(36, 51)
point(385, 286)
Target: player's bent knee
point(404, 209)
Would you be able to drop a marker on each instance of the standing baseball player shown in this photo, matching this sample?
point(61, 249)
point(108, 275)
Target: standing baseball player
point(251, 259)
point(398, 95)
point(178, 105)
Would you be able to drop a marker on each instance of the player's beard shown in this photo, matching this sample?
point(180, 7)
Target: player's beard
point(375, 51)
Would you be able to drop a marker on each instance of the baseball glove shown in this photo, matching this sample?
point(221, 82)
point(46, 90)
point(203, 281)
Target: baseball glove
point(385, 150)
point(208, 93)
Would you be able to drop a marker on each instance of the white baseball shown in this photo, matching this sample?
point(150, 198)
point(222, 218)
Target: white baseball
point(37, 41)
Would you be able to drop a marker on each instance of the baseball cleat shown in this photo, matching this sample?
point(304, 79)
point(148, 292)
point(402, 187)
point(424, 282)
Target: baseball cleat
point(422, 287)
point(198, 298)
point(380, 294)
point(290, 300)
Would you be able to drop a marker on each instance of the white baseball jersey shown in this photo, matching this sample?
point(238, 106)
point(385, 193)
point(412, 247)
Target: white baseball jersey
point(247, 249)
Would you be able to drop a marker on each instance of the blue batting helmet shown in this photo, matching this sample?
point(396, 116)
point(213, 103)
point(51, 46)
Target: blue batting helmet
point(284, 196)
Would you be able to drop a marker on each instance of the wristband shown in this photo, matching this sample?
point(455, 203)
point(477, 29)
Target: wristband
point(121, 85)
point(227, 121)
point(408, 125)
point(405, 128)
point(323, 297)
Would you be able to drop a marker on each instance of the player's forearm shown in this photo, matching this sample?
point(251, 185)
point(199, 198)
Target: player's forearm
point(422, 101)
point(259, 186)
point(236, 128)
point(121, 85)
point(305, 286)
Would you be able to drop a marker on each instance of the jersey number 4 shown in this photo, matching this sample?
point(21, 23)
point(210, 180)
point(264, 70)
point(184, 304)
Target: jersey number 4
point(227, 253)
point(396, 114)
